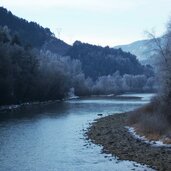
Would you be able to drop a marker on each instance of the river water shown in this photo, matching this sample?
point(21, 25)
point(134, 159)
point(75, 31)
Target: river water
point(51, 137)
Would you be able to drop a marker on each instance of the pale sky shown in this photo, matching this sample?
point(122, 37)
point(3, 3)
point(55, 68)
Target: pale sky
point(100, 22)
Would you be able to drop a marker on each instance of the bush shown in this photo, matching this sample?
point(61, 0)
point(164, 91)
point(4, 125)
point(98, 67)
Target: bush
point(149, 120)
point(154, 123)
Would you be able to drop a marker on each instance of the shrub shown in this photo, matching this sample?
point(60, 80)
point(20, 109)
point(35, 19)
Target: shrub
point(149, 120)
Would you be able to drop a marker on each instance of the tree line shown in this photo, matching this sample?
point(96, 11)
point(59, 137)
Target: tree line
point(28, 74)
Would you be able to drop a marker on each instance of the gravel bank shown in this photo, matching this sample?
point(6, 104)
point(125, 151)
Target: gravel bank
point(110, 132)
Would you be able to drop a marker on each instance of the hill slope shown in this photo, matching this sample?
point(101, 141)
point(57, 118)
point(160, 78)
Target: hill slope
point(97, 61)
point(143, 49)
point(31, 33)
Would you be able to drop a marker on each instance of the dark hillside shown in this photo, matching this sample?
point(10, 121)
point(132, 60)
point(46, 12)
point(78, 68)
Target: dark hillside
point(97, 61)
point(31, 33)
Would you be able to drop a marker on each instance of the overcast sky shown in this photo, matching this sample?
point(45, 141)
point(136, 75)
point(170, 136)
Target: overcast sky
point(101, 22)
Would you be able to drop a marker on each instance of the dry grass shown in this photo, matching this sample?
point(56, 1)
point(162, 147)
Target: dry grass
point(150, 123)
point(136, 116)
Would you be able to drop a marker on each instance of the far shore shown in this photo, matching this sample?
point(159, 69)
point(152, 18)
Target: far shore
point(13, 107)
point(111, 133)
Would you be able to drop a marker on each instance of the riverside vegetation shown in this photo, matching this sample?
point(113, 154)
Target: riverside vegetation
point(36, 66)
point(152, 121)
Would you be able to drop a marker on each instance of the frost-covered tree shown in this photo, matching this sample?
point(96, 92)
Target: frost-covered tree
point(150, 85)
point(66, 71)
point(108, 84)
point(163, 49)
point(134, 83)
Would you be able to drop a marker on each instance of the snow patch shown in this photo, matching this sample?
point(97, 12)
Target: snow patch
point(159, 143)
point(13, 107)
point(73, 97)
point(111, 95)
point(9, 107)
point(71, 94)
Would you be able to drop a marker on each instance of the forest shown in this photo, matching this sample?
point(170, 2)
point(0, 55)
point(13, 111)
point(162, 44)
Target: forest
point(31, 70)
point(99, 61)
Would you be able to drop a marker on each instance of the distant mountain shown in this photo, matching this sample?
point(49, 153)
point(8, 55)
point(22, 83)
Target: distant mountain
point(98, 61)
point(143, 49)
point(31, 33)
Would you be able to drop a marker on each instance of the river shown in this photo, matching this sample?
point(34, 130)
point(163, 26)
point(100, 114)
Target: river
point(51, 137)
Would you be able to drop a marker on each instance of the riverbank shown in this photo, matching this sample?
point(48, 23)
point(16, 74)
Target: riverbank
point(9, 108)
point(112, 134)
point(14, 107)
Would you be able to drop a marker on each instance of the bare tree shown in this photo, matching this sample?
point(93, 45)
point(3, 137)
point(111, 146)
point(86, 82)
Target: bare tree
point(59, 30)
point(163, 49)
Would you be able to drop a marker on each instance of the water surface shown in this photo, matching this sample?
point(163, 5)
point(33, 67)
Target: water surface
point(50, 137)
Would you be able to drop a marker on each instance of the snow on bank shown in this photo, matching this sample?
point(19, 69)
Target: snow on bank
point(71, 94)
point(9, 107)
point(13, 107)
point(159, 143)
point(72, 97)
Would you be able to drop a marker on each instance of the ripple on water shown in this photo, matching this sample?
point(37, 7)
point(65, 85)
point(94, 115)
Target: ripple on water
point(51, 138)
